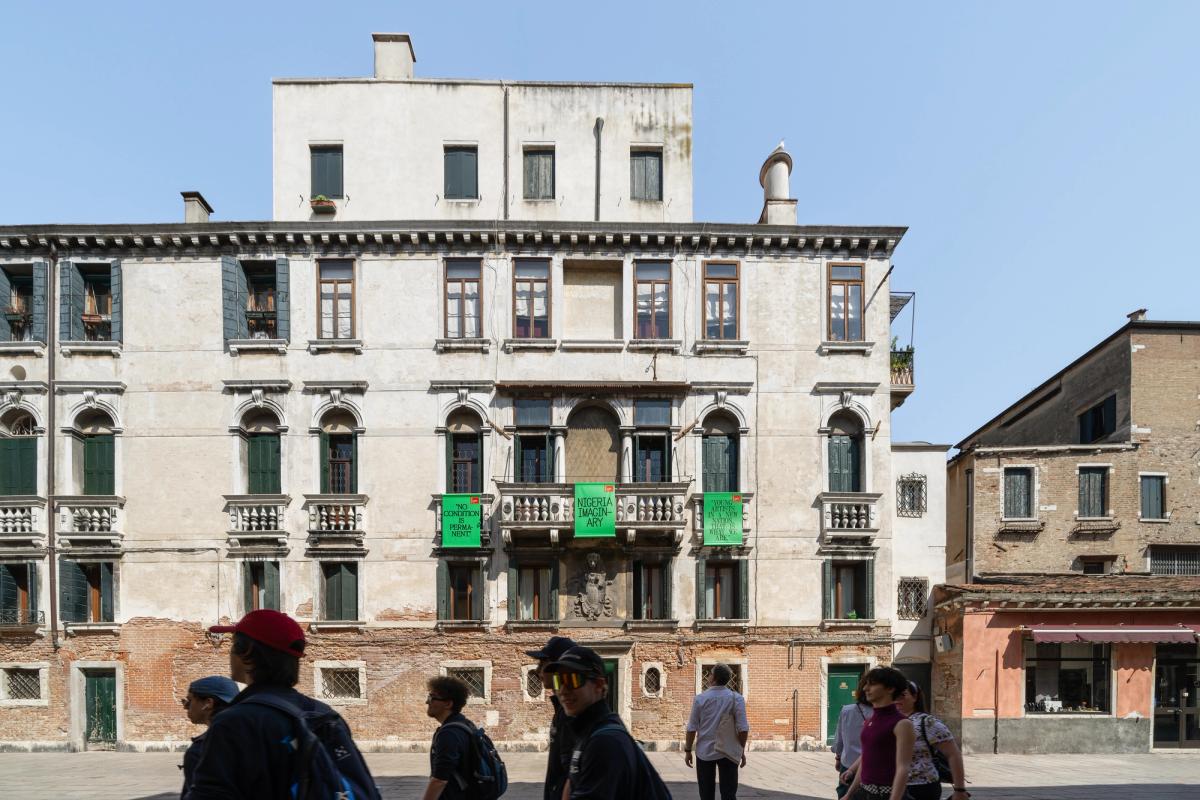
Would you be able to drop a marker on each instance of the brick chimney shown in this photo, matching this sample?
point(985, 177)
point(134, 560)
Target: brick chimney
point(394, 56)
point(195, 207)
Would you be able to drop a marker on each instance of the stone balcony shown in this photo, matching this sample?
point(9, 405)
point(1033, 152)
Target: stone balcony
point(902, 376)
point(336, 520)
point(90, 520)
point(257, 519)
point(550, 507)
point(698, 513)
point(21, 521)
point(849, 514)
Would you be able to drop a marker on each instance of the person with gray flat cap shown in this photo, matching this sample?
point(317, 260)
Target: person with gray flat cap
point(562, 743)
point(206, 698)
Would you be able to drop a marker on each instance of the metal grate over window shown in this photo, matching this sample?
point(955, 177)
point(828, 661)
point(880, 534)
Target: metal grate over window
point(912, 598)
point(471, 676)
point(1175, 560)
point(652, 680)
point(911, 495)
point(340, 683)
point(533, 684)
point(23, 684)
point(735, 682)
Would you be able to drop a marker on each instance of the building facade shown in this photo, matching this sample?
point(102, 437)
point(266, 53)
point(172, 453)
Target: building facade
point(1070, 618)
point(438, 442)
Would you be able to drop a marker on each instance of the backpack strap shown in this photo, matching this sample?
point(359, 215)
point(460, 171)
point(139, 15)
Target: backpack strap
point(308, 739)
point(471, 730)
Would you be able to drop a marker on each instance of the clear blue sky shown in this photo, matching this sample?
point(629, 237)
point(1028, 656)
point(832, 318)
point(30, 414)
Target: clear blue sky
point(1045, 156)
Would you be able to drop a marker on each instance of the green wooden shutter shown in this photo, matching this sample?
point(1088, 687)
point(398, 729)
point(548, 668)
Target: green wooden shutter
point(840, 478)
point(514, 608)
point(25, 478)
point(1153, 506)
point(354, 464)
point(700, 589)
point(478, 591)
point(33, 589)
point(1091, 492)
point(117, 325)
point(283, 303)
point(98, 472)
point(333, 590)
point(442, 586)
point(452, 187)
point(639, 582)
point(70, 308)
point(324, 459)
point(73, 591)
point(716, 464)
point(668, 598)
point(743, 609)
point(9, 467)
point(531, 175)
point(271, 585)
point(107, 590)
point(350, 590)
point(828, 606)
point(233, 307)
point(869, 589)
point(553, 611)
point(248, 586)
point(39, 301)
point(5, 299)
point(263, 458)
point(1017, 494)
point(8, 593)
point(449, 462)
point(637, 176)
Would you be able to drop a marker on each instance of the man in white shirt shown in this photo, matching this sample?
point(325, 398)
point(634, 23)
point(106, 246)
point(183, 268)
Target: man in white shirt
point(719, 730)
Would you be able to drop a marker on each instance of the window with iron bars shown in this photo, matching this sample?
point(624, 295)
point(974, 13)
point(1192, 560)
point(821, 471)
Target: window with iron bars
point(652, 681)
point(473, 677)
point(533, 684)
point(340, 683)
point(912, 598)
point(23, 684)
point(735, 682)
point(911, 495)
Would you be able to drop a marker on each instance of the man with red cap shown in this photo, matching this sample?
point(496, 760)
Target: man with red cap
point(272, 740)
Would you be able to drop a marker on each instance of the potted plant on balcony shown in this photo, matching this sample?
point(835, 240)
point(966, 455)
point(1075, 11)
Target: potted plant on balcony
point(16, 314)
point(323, 205)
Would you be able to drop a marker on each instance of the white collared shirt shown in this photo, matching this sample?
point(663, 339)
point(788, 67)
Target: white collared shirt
point(718, 716)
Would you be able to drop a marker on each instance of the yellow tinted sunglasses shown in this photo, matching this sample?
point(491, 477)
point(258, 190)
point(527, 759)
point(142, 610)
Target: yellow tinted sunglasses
point(567, 680)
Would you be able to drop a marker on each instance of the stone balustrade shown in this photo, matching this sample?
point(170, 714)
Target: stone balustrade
point(90, 517)
point(343, 516)
point(18, 518)
point(256, 517)
point(849, 513)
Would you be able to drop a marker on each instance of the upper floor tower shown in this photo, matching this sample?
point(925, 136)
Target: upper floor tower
point(395, 146)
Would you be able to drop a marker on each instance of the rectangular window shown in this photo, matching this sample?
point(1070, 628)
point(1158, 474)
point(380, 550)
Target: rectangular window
point(1175, 560)
point(339, 474)
point(849, 589)
point(845, 303)
point(735, 683)
point(18, 594)
point(262, 457)
point(1098, 421)
point(341, 683)
point(645, 174)
point(466, 473)
point(339, 590)
point(652, 299)
point(86, 590)
point(1154, 497)
point(99, 477)
point(720, 301)
point(1096, 565)
point(652, 589)
point(18, 460)
point(97, 305)
point(336, 298)
point(539, 173)
point(474, 677)
point(911, 495)
point(260, 583)
point(461, 590)
point(1018, 493)
point(652, 413)
point(17, 303)
point(912, 598)
point(260, 300)
point(531, 298)
point(1093, 491)
point(532, 413)
point(652, 457)
point(461, 172)
point(22, 684)
point(89, 301)
point(326, 170)
point(1072, 677)
point(534, 463)
point(535, 593)
point(463, 317)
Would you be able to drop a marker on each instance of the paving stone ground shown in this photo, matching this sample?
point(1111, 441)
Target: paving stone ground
point(769, 776)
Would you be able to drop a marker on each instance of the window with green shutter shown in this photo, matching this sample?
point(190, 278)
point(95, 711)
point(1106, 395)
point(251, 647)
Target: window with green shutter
point(18, 465)
point(18, 593)
point(340, 590)
point(260, 581)
point(645, 174)
point(539, 173)
point(262, 452)
point(724, 589)
point(86, 591)
point(461, 173)
point(845, 463)
point(460, 590)
point(1154, 496)
point(652, 588)
point(1018, 493)
point(326, 168)
point(98, 464)
point(1093, 491)
point(720, 463)
point(848, 589)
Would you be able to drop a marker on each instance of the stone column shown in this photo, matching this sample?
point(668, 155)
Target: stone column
point(626, 455)
point(560, 454)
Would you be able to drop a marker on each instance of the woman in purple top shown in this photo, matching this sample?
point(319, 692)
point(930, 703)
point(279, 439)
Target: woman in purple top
point(887, 739)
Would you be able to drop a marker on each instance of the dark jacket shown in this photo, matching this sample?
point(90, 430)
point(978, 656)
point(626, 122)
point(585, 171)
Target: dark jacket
point(190, 759)
point(450, 757)
point(249, 750)
point(562, 744)
point(603, 767)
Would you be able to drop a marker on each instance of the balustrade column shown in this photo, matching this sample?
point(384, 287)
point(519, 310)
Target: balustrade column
point(560, 454)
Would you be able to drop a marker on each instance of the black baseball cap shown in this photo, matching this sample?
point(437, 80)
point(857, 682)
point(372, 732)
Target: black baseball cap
point(579, 659)
point(553, 649)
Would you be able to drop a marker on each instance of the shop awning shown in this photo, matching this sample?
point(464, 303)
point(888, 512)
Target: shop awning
point(1112, 633)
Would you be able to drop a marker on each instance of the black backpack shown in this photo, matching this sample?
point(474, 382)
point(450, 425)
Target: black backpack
point(489, 777)
point(330, 767)
point(648, 784)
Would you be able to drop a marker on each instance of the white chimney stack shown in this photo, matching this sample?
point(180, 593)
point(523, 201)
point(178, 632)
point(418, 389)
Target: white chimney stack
point(394, 56)
point(195, 207)
point(779, 208)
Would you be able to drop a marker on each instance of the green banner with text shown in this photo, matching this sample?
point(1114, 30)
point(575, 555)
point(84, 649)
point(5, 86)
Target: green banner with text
point(461, 519)
point(722, 518)
point(595, 509)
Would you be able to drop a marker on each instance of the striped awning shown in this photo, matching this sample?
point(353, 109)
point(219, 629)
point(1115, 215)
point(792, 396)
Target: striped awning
point(1112, 633)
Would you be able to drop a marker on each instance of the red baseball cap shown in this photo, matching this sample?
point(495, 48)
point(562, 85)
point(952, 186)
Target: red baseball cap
point(275, 629)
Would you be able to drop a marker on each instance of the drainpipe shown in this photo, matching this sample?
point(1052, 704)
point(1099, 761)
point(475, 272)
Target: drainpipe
point(505, 149)
point(795, 720)
point(996, 700)
point(599, 129)
point(51, 488)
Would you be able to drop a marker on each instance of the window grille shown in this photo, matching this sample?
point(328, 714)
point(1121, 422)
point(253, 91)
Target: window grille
point(23, 684)
point(471, 676)
point(22, 426)
point(533, 684)
point(1175, 560)
point(340, 683)
point(652, 681)
point(911, 495)
point(735, 682)
point(912, 598)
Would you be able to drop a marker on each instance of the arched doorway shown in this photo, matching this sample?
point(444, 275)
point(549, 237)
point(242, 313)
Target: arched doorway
point(593, 445)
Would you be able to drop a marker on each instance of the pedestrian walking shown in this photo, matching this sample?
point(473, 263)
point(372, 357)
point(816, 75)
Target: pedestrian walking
point(887, 740)
point(847, 746)
point(562, 744)
point(718, 728)
point(606, 764)
point(931, 738)
point(452, 756)
point(274, 743)
point(206, 697)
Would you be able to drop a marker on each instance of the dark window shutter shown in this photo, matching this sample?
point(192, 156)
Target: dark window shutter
point(235, 292)
point(107, 589)
point(8, 591)
point(263, 457)
point(333, 590)
point(354, 464)
point(271, 585)
point(668, 594)
point(73, 591)
point(639, 607)
point(39, 301)
point(349, 590)
point(283, 293)
point(98, 473)
point(70, 307)
point(514, 600)
point(5, 295)
point(248, 586)
point(552, 612)
point(1153, 504)
point(869, 588)
point(324, 459)
point(9, 467)
point(25, 479)
point(1018, 493)
point(32, 588)
point(637, 176)
point(654, 177)
point(743, 609)
point(477, 592)
point(117, 326)
point(720, 464)
point(443, 589)
point(840, 477)
point(531, 175)
point(326, 171)
point(828, 606)
point(449, 462)
point(700, 589)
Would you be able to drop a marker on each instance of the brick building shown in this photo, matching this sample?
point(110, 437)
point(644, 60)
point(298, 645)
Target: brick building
point(543, 401)
point(1070, 617)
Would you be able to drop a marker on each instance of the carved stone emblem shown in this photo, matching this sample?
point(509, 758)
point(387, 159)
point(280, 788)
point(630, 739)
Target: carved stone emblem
point(591, 586)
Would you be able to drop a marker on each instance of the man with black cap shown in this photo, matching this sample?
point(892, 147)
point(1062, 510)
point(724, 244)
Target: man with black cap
point(254, 748)
point(606, 763)
point(558, 757)
point(206, 697)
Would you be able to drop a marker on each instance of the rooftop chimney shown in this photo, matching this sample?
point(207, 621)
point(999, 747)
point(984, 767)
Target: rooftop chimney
point(1137, 316)
point(394, 56)
point(779, 208)
point(195, 207)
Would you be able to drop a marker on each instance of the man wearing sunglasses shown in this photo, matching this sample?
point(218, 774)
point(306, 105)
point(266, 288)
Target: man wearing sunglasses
point(451, 750)
point(558, 757)
point(206, 698)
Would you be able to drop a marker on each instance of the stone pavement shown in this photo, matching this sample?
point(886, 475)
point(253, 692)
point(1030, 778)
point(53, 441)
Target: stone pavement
point(770, 776)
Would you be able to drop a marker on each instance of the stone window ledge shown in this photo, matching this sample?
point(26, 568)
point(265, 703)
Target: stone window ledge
point(655, 345)
point(835, 348)
point(512, 345)
point(843, 624)
point(90, 349)
point(269, 346)
point(73, 628)
point(656, 624)
point(334, 625)
point(462, 345)
point(22, 349)
point(723, 346)
point(1156, 520)
point(595, 345)
point(1021, 526)
point(722, 624)
point(531, 624)
point(335, 346)
point(462, 625)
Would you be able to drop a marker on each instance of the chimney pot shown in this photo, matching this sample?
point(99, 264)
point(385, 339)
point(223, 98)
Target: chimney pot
point(195, 207)
point(779, 207)
point(1138, 315)
point(394, 56)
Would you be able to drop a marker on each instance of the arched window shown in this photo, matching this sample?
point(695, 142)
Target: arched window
point(339, 454)
point(18, 454)
point(95, 458)
point(720, 453)
point(260, 429)
point(464, 453)
point(845, 453)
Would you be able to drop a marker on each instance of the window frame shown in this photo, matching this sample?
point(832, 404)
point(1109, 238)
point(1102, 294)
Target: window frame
point(861, 283)
point(906, 587)
point(637, 152)
point(1106, 660)
point(1164, 481)
point(43, 670)
point(538, 150)
point(319, 669)
point(663, 564)
point(356, 571)
point(1032, 494)
point(1085, 420)
point(831, 596)
point(652, 283)
point(337, 283)
point(736, 281)
point(459, 147)
point(1180, 554)
point(548, 609)
point(448, 565)
point(95, 600)
point(532, 282)
point(251, 587)
point(1105, 490)
point(445, 667)
point(446, 282)
point(914, 487)
point(28, 590)
point(327, 147)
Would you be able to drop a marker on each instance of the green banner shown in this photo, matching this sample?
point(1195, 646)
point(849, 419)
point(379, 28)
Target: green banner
point(722, 518)
point(596, 509)
point(461, 519)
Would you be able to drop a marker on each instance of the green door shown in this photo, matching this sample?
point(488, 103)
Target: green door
point(614, 688)
point(843, 680)
point(100, 697)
